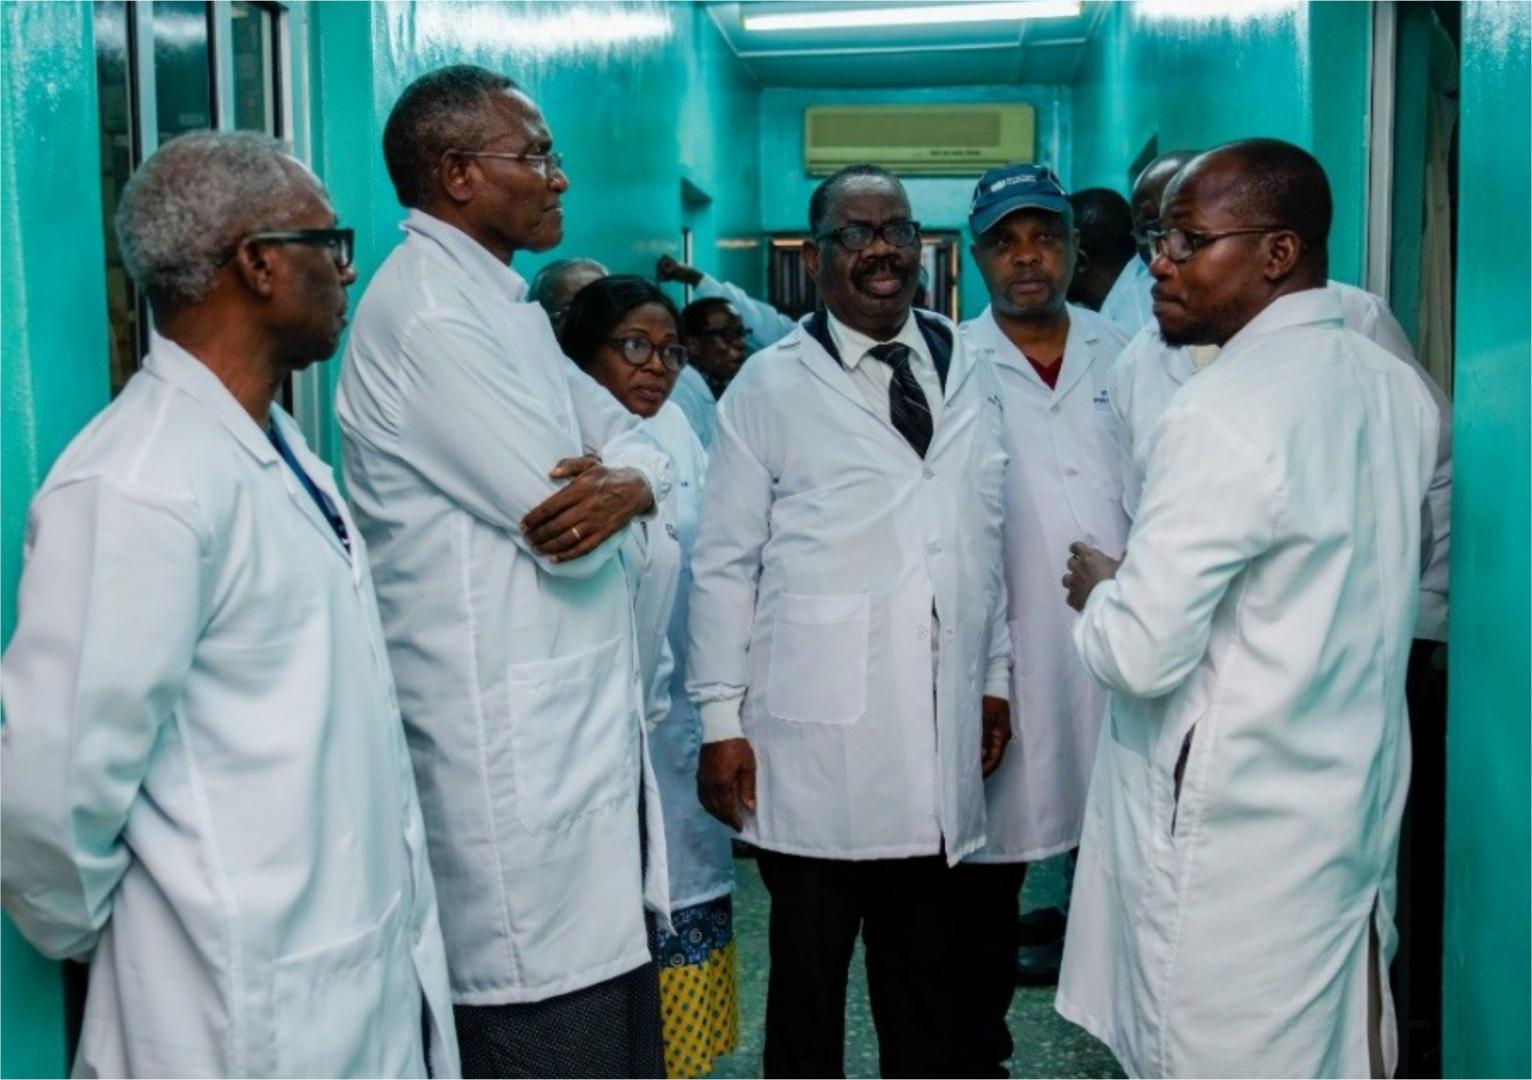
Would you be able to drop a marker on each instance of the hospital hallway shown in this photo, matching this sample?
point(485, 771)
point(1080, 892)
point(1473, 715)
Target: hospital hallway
point(688, 145)
point(1046, 1043)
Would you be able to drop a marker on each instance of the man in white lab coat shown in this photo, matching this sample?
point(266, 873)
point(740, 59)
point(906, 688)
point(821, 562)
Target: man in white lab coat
point(207, 788)
point(1127, 304)
point(1233, 908)
point(471, 450)
point(715, 336)
point(764, 324)
point(847, 635)
point(1051, 360)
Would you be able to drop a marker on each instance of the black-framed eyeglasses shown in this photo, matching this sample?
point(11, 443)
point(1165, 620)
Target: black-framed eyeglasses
point(1179, 245)
point(1145, 234)
point(546, 164)
point(637, 349)
point(341, 242)
point(859, 236)
point(727, 333)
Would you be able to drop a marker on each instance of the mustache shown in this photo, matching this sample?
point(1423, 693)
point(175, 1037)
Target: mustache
point(890, 266)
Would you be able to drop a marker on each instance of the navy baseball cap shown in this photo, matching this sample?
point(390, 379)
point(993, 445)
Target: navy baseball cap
point(1014, 187)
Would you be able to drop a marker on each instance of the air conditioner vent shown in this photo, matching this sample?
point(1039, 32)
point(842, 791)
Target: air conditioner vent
point(926, 139)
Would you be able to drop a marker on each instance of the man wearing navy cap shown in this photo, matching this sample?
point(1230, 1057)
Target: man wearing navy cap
point(1050, 359)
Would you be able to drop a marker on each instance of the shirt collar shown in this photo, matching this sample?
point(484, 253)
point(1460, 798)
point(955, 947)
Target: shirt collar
point(854, 345)
point(466, 252)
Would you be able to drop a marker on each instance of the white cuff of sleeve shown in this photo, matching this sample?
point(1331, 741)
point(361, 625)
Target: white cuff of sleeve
point(721, 719)
point(997, 680)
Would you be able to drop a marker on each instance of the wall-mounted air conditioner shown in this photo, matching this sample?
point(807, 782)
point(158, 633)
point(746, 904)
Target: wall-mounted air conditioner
point(920, 140)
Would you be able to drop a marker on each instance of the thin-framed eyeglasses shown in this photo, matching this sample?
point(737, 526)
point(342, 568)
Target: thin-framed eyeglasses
point(341, 242)
point(637, 349)
point(859, 236)
point(546, 164)
point(1179, 245)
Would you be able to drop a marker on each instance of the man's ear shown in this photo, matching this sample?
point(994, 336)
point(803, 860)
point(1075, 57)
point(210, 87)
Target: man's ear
point(252, 261)
point(1283, 249)
point(811, 259)
point(453, 174)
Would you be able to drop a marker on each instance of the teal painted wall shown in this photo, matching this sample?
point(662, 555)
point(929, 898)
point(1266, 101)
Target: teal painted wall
point(638, 96)
point(940, 202)
point(53, 364)
point(1296, 71)
point(1486, 992)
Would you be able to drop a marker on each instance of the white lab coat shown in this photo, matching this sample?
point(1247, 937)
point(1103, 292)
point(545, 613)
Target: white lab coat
point(1128, 303)
point(206, 781)
point(825, 542)
point(1062, 485)
point(518, 677)
point(1265, 606)
point(1149, 372)
point(697, 845)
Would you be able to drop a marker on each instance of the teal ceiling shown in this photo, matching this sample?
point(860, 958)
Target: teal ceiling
point(1036, 51)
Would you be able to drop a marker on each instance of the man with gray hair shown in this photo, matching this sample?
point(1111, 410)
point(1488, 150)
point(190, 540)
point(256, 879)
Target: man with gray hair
point(556, 284)
point(207, 789)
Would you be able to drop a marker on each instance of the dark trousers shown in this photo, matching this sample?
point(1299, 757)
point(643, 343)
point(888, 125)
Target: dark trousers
point(902, 908)
point(1417, 970)
point(988, 897)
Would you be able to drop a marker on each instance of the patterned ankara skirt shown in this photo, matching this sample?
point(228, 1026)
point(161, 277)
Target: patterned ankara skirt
point(698, 1005)
point(610, 1029)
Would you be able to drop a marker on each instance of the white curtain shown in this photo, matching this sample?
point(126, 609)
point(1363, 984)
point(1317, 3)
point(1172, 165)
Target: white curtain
point(1436, 241)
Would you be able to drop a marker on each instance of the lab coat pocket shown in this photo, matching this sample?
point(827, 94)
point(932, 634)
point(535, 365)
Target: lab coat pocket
point(364, 983)
point(818, 672)
point(571, 743)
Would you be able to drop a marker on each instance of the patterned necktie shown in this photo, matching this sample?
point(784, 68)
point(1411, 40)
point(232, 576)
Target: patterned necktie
point(907, 407)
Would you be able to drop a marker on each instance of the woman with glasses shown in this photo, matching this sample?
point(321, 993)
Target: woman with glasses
point(623, 332)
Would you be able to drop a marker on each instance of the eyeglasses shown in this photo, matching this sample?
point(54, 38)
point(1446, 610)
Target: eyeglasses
point(859, 237)
point(727, 333)
point(637, 350)
point(341, 242)
point(1179, 245)
point(546, 164)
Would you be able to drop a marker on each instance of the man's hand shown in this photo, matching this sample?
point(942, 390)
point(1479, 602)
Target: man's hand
point(1087, 568)
point(997, 733)
point(667, 269)
point(726, 780)
point(596, 502)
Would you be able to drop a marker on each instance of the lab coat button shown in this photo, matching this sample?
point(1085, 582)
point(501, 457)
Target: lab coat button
point(1090, 538)
point(1053, 408)
point(920, 632)
point(928, 472)
point(933, 549)
point(1071, 471)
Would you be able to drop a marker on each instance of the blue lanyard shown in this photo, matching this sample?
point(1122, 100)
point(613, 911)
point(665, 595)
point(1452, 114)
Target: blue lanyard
point(321, 500)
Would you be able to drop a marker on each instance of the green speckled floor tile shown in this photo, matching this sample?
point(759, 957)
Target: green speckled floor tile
point(1046, 1043)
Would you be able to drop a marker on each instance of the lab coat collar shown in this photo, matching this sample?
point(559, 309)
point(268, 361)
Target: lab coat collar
point(1079, 351)
point(465, 253)
point(932, 331)
point(1311, 307)
point(169, 361)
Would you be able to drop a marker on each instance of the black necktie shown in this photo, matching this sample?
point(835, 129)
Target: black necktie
point(907, 407)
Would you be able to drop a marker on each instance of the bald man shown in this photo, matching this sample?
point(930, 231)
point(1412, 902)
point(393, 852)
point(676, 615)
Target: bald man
point(1234, 898)
point(1105, 227)
point(1127, 304)
point(556, 284)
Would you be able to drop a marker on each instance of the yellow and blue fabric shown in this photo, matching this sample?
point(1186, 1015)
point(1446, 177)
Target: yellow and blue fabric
point(699, 1005)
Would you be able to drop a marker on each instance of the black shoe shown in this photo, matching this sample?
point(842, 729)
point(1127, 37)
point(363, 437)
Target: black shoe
point(1039, 966)
point(1041, 926)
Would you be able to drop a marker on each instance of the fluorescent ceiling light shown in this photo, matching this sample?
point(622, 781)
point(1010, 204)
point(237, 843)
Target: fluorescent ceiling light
point(912, 15)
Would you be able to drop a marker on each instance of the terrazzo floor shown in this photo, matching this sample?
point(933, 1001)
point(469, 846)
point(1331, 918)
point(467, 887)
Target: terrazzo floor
point(1046, 1043)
